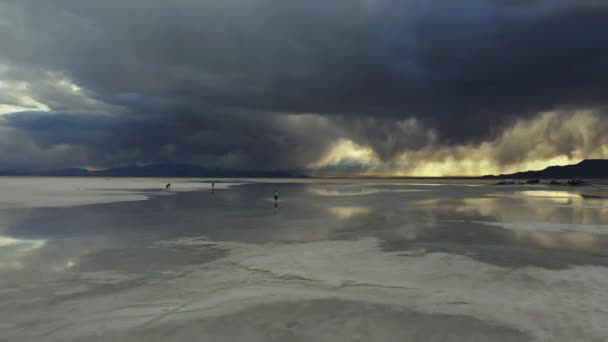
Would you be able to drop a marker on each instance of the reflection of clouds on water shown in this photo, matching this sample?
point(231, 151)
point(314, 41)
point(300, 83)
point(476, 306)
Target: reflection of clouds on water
point(568, 205)
point(446, 184)
point(185, 241)
point(342, 191)
point(539, 193)
point(528, 209)
point(13, 250)
point(20, 245)
point(348, 190)
point(555, 235)
point(429, 202)
point(562, 199)
point(571, 240)
point(523, 221)
point(67, 265)
point(348, 212)
point(540, 226)
point(409, 231)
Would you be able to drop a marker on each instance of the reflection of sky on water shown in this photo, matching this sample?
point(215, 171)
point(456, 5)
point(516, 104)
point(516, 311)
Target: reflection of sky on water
point(440, 218)
point(541, 193)
point(557, 210)
point(342, 191)
point(13, 250)
point(570, 240)
point(19, 246)
point(359, 190)
point(59, 255)
point(348, 212)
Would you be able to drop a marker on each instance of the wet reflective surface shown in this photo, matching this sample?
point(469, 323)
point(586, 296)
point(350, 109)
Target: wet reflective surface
point(353, 258)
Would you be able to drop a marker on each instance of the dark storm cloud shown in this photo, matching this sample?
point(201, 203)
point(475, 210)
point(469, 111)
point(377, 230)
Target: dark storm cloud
point(228, 140)
point(214, 81)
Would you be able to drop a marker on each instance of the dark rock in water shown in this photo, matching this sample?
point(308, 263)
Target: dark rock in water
point(533, 181)
point(576, 182)
point(593, 196)
point(555, 183)
point(506, 182)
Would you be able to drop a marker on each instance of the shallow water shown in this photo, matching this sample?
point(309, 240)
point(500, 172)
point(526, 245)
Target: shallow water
point(334, 260)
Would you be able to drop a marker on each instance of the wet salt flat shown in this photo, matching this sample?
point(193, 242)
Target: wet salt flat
point(336, 260)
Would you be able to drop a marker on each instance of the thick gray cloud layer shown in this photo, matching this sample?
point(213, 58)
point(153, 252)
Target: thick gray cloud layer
point(220, 82)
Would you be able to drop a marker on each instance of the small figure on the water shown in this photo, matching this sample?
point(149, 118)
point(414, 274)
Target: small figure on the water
point(212, 186)
point(168, 186)
point(276, 196)
point(575, 181)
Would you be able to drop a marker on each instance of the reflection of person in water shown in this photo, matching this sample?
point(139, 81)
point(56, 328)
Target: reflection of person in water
point(276, 201)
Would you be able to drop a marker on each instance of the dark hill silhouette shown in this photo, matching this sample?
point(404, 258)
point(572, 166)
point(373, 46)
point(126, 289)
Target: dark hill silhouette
point(589, 169)
point(156, 170)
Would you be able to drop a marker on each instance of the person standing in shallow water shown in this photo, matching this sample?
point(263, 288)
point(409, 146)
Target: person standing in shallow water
point(212, 186)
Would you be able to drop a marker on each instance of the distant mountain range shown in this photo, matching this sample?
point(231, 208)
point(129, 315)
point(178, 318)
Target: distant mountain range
point(591, 168)
point(588, 169)
point(155, 170)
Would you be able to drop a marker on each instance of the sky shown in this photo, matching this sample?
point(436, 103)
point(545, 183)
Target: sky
point(341, 87)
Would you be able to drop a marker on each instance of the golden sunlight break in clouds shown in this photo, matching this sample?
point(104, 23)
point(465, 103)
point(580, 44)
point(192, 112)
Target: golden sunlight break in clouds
point(553, 138)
